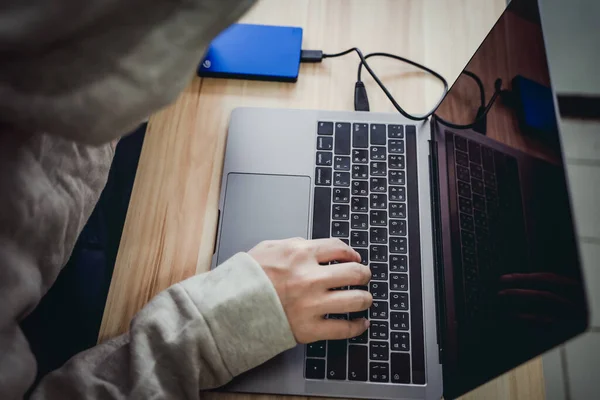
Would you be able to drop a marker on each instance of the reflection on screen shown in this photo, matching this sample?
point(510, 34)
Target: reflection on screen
point(517, 288)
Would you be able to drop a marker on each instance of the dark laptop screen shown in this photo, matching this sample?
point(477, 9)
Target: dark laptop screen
point(512, 285)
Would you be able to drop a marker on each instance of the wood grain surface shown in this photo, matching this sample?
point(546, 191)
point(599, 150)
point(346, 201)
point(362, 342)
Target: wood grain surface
point(170, 226)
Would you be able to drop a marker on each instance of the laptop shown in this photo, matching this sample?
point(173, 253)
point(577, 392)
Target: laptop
point(468, 231)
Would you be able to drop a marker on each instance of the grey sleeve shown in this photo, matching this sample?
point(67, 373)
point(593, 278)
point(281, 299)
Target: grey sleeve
point(196, 335)
point(91, 71)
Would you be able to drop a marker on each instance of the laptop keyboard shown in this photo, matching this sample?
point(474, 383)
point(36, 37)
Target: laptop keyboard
point(364, 177)
point(492, 233)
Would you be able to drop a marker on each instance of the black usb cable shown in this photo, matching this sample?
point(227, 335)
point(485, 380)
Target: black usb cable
point(361, 100)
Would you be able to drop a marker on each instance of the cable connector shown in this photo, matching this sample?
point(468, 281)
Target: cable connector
point(361, 100)
point(311, 56)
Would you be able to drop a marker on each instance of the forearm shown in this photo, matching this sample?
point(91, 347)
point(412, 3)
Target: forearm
point(196, 335)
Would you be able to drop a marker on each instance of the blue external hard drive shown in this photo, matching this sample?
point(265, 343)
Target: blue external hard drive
point(260, 52)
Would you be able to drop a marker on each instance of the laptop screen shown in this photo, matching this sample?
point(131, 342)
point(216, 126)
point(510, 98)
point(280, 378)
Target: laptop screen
point(510, 281)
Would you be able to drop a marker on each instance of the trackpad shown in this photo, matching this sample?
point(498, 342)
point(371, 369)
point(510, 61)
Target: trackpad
point(262, 207)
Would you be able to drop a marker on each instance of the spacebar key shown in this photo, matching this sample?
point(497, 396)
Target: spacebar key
point(321, 213)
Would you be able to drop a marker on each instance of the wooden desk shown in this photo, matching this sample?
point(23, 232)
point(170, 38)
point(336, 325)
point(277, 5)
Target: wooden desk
point(170, 227)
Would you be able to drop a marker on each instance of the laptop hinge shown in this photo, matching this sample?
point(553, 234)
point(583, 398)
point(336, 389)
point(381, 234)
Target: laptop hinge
point(437, 246)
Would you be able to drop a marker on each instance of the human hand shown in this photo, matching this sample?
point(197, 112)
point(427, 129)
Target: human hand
point(303, 286)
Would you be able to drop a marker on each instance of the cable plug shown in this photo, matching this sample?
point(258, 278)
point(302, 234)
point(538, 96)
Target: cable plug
point(361, 100)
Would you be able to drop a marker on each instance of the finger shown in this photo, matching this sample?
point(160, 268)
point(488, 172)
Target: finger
point(333, 329)
point(327, 250)
point(345, 274)
point(345, 301)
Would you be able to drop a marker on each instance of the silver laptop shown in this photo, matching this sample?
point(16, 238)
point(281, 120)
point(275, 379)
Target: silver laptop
point(467, 231)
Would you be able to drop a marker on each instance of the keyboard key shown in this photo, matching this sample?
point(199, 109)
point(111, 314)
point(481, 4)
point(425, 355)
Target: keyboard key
point(489, 179)
point(340, 229)
point(397, 227)
point(464, 189)
point(379, 218)
point(466, 222)
point(468, 238)
point(324, 143)
point(480, 219)
point(463, 173)
point(460, 143)
point(378, 153)
point(397, 177)
point(379, 290)
point(399, 301)
point(360, 188)
point(399, 282)
point(396, 131)
point(364, 256)
point(397, 210)
point(379, 330)
point(379, 351)
point(336, 359)
point(378, 201)
point(398, 245)
point(341, 163)
point(378, 168)
point(316, 349)
point(363, 338)
point(357, 363)
point(341, 317)
point(478, 202)
point(323, 176)
point(379, 271)
point(397, 193)
point(462, 158)
point(400, 341)
point(360, 221)
point(491, 194)
point(474, 152)
point(360, 171)
point(378, 235)
point(378, 134)
point(476, 171)
point(315, 369)
point(379, 372)
point(324, 158)
point(359, 314)
point(360, 156)
point(400, 367)
point(477, 186)
point(360, 136)
point(379, 310)
point(465, 205)
point(396, 146)
point(378, 253)
point(346, 241)
point(341, 212)
point(341, 195)
point(342, 138)
point(487, 158)
point(411, 130)
point(325, 128)
point(321, 212)
point(398, 263)
point(399, 321)
point(359, 239)
point(360, 204)
point(341, 179)
point(378, 184)
point(396, 161)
